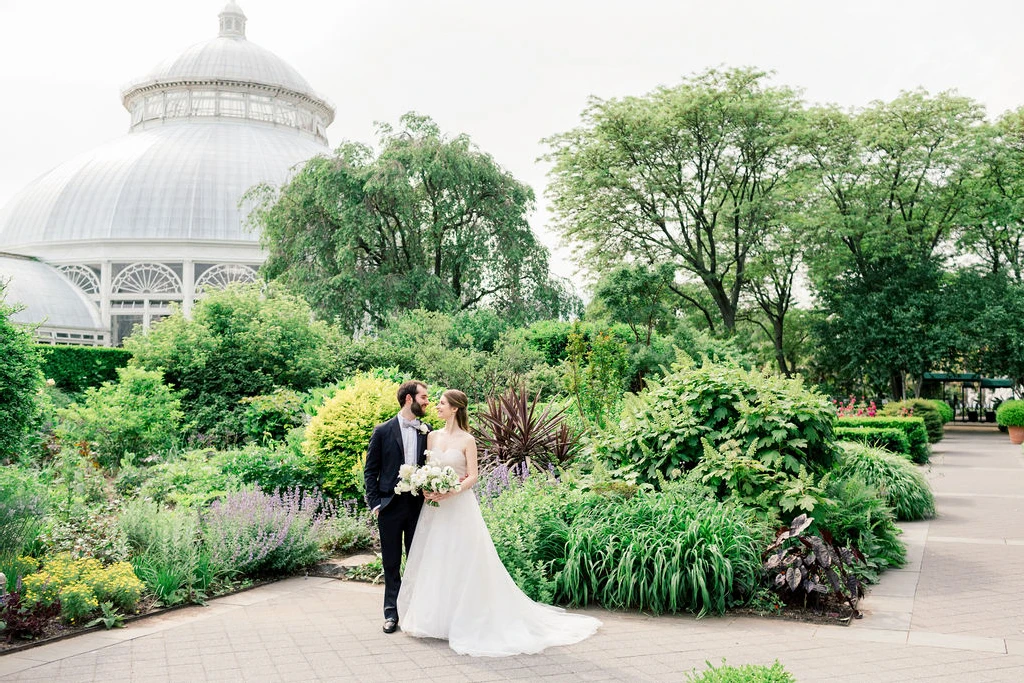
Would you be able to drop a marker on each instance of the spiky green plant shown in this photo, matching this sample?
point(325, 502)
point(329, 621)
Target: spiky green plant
point(902, 483)
point(661, 553)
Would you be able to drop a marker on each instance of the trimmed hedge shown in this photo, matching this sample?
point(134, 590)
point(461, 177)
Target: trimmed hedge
point(76, 368)
point(913, 427)
point(922, 408)
point(890, 438)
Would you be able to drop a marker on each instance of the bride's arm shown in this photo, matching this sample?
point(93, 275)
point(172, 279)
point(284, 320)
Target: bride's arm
point(472, 471)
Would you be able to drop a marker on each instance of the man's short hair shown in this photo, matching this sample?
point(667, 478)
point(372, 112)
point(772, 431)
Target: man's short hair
point(410, 388)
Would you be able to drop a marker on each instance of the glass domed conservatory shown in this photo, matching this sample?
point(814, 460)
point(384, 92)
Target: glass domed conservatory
point(157, 216)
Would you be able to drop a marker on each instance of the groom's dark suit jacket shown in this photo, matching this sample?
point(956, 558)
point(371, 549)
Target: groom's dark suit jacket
point(384, 456)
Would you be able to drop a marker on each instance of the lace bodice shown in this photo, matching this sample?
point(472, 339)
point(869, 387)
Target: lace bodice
point(453, 457)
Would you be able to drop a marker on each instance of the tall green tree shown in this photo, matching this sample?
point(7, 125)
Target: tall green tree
point(892, 180)
point(993, 229)
point(893, 184)
point(430, 222)
point(686, 175)
point(638, 295)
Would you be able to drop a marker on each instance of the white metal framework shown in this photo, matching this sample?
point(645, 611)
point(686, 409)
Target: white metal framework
point(82, 277)
point(224, 274)
point(155, 218)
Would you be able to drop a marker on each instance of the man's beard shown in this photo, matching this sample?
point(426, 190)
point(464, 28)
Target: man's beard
point(417, 409)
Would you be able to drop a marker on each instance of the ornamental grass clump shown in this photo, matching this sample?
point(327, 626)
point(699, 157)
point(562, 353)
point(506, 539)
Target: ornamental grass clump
point(902, 485)
point(23, 505)
point(252, 532)
point(662, 553)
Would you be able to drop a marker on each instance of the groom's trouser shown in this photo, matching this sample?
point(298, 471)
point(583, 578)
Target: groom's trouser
point(397, 523)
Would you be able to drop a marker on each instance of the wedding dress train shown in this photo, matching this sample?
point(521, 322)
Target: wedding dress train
point(455, 587)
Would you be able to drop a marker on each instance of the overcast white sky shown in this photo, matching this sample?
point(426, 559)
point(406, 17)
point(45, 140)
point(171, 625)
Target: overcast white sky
point(508, 74)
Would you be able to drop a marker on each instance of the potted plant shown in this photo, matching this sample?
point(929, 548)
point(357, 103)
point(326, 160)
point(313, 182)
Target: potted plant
point(1011, 415)
point(972, 412)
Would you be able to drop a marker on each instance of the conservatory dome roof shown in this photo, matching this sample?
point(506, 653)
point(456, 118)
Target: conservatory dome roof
point(179, 181)
point(207, 126)
point(47, 296)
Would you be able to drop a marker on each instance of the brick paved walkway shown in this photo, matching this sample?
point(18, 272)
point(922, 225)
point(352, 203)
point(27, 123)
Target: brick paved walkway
point(955, 613)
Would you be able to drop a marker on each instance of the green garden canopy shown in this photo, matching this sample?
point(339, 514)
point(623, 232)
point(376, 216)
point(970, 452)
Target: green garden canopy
point(986, 382)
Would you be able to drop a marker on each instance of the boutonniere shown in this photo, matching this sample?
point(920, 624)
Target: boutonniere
point(423, 427)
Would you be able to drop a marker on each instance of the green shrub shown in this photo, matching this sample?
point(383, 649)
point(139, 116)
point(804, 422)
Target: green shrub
point(734, 475)
point(945, 410)
point(167, 551)
point(529, 524)
point(271, 468)
point(76, 368)
point(550, 337)
point(20, 380)
point(269, 417)
point(922, 408)
point(748, 673)
point(337, 437)
point(23, 505)
point(904, 486)
point(139, 415)
point(660, 552)
point(195, 479)
point(81, 584)
point(241, 341)
point(356, 529)
point(913, 427)
point(858, 516)
point(891, 439)
point(781, 423)
point(1010, 413)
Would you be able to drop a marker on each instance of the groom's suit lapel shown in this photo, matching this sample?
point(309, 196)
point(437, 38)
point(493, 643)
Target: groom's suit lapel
point(396, 429)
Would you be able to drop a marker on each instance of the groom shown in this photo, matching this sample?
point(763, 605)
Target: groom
point(399, 441)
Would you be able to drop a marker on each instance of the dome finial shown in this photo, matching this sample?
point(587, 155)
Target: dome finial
point(232, 21)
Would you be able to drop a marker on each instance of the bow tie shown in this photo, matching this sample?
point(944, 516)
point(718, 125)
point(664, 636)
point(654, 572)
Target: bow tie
point(408, 424)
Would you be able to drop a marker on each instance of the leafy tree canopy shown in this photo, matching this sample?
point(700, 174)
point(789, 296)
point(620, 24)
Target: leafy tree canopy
point(687, 175)
point(430, 222)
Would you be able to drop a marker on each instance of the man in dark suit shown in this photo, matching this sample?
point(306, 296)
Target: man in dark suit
point(399, 441)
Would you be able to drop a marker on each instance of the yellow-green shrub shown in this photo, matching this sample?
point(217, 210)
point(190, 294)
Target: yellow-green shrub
point(82, 583)
point(77, 601)
point(337, 436)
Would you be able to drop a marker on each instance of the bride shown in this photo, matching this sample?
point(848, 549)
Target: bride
point(455, 586)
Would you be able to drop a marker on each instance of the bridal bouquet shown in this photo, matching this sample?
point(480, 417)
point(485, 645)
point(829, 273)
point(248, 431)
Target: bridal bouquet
point(428, 478)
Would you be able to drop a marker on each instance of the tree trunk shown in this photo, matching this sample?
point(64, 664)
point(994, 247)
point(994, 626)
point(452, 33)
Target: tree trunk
point(896, 383)
point(780, 353)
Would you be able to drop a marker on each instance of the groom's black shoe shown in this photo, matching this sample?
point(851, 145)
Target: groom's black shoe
point(390, 625)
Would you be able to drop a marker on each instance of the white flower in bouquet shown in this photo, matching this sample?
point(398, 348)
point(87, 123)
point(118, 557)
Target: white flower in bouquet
point(430, 478)
point(405, 484)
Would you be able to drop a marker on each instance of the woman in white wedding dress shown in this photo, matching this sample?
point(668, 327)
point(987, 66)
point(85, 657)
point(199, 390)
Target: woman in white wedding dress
point(455, 586)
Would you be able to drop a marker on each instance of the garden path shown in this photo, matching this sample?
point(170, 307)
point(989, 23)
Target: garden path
point(955, 613)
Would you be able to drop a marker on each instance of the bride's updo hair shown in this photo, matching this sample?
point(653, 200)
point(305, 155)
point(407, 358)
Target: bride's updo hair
point(458, 401)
